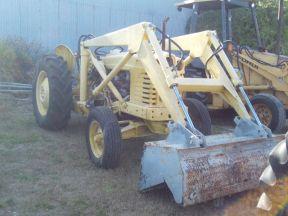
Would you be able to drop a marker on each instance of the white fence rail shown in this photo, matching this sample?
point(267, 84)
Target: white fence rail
point(9, 87)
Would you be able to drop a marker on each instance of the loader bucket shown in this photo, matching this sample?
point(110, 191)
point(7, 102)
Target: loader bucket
point(227, 166)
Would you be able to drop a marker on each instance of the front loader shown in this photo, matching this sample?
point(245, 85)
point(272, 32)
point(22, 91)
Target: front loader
point(128, 86)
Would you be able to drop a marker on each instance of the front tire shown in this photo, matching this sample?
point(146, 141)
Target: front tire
point(52, 93)
point(103, 138)
point(199, 115)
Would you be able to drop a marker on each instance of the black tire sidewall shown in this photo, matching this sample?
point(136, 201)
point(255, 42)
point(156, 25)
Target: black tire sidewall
point(54, 120)
point(112, 137)
point(276, 108)
point(41, 120)
point(196, 107)
point(95, 160)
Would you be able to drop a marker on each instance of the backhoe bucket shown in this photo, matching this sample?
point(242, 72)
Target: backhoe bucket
point(226, 166)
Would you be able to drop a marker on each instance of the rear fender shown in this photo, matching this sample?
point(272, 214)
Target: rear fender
point(67, 54)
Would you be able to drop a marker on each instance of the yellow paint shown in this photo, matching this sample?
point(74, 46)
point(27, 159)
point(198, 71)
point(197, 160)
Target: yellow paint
point(42, 93)
point(257, 76)
point(66, 53)
point(96, 139)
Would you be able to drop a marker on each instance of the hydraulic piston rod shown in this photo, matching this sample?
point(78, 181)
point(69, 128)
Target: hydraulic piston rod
point(184, 108)
point(241, 88)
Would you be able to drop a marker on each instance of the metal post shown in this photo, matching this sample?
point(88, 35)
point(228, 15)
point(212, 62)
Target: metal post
point(224, 20)
point(164, 32)
point(280, 26)
point(229, 26)
point(194, 19)
point(254, 16)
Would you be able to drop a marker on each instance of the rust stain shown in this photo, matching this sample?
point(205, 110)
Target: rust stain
point(209, 176)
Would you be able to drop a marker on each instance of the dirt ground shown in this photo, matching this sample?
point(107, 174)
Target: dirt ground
point(49, 173)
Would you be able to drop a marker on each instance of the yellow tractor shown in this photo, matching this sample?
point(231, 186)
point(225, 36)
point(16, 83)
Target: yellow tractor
point(264, 74)
point(128, 86)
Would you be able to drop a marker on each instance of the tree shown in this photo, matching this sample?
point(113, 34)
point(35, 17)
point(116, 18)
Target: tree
point(243, 27)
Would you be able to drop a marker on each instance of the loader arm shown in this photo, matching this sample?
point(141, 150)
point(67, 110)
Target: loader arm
point(142, 42)
point(223, 78)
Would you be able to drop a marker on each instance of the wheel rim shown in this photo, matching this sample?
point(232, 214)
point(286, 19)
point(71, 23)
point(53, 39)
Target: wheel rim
point(264, 113)
point(96, 139)
point(42, 93)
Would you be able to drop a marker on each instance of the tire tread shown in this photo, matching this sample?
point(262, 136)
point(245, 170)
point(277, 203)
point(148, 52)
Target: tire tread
point(278, 110)
point(112, 137)
point(61, 100)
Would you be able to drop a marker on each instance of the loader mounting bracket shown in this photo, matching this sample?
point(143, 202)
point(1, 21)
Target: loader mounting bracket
point(247, 128)
point(181, 137)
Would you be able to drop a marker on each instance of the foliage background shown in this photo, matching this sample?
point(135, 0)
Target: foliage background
point(17, 59)
point(243, 27)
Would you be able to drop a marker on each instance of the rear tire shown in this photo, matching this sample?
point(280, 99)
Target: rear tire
point(52, 93)
point(199, 115)
point(270, 111)
point(103, 138)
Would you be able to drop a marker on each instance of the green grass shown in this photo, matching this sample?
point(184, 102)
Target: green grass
point(36, 207)
point(44, 205)
point(109, 188)
point(82, 203)
point(25, 177)
point(4, 203)
point(14, 139)
point(79, 205)
point(101, 212)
